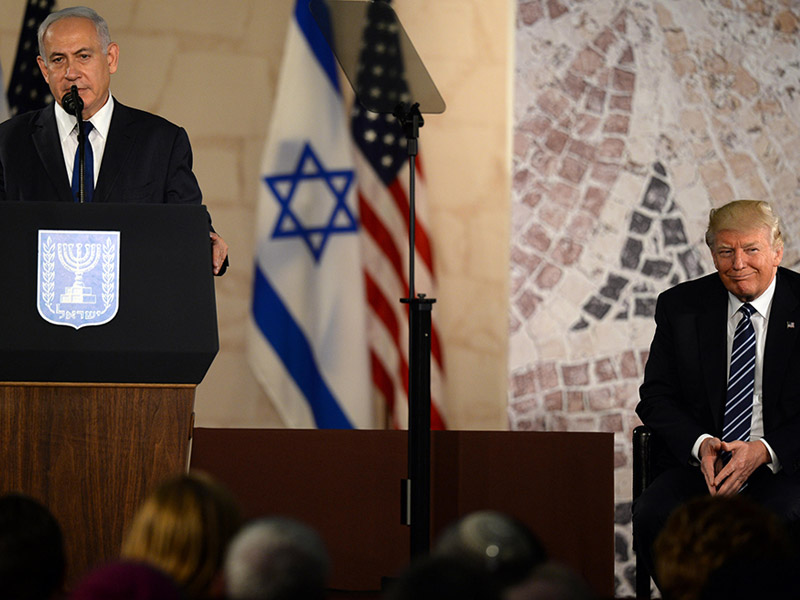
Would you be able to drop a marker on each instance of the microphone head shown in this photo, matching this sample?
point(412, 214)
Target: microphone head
point(72, 102)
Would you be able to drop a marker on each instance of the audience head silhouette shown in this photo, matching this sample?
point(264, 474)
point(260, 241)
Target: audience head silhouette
point(183, 528)
point(551, 581)
point(444, 578)
point(126, 581)
point(276, 559)
point(722, 534)
point(32, 563)
point(505, 547)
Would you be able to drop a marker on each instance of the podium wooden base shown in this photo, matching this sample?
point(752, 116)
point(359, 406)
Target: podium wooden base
point(90, 453)
point(346, 484)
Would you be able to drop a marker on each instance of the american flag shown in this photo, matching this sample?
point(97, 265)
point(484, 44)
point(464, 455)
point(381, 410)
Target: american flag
point(27, 89)
point(383, 199)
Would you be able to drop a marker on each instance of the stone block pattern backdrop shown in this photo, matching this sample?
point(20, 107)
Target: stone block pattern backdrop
point(631, 120)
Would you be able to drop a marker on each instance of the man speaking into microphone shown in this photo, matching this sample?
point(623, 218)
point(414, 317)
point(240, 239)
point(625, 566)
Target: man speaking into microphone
point(129, 155)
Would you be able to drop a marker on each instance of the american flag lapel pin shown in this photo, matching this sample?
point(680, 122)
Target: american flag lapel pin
point(789, 324)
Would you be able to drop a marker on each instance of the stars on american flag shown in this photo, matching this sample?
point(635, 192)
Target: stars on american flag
point(27, 89)
point(381, 87)
point(381, 140)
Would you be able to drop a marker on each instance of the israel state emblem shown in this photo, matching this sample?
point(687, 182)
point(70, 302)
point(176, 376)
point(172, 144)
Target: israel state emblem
point(78, 277)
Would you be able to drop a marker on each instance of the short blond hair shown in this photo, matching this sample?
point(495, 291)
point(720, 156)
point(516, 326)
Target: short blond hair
point(184, 528)
point(744, 215)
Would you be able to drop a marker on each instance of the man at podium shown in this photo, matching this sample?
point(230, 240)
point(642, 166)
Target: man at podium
point(129, 155)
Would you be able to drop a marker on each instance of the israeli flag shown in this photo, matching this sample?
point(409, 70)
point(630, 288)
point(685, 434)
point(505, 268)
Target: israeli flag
point(307, 340)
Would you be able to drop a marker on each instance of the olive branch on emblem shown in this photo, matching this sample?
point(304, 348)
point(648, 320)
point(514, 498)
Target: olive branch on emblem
point(109, 259)
point(48, 272)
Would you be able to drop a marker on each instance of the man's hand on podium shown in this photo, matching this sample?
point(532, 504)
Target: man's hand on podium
point(219, 253)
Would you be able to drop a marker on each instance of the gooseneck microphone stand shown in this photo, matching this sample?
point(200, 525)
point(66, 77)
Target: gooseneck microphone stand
point(73, 104)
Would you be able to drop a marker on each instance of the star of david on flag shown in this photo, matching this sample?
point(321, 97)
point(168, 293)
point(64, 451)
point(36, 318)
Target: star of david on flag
point(307, 333)
point(304, 194)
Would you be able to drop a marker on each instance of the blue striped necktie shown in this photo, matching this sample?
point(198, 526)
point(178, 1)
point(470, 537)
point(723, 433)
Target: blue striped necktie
point(88, 182)
point(741, 382)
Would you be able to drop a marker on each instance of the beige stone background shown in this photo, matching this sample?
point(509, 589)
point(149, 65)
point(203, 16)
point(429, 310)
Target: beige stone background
point(212, 66)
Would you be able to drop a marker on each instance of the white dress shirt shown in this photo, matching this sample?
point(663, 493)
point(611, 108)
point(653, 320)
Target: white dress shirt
point(68, 134)
point(760, 318)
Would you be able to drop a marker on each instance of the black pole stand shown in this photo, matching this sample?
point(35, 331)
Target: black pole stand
point(81, 160)
point(363, 36)
point(416, 490)
point(73, 105)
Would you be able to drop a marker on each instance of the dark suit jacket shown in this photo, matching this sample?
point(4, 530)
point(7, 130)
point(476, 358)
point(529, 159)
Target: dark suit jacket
point(146, 159)
point(683, 393)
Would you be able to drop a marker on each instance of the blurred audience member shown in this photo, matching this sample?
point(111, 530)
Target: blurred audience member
point(723, 535)
point(551, 581)
point(32, 563)
point(506, 548)
point(745, 579)
point(184, 528)
point(276, 559)
point(444, 578)
point(126, 581)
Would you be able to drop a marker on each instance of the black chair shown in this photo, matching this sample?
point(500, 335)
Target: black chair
point(643, 474)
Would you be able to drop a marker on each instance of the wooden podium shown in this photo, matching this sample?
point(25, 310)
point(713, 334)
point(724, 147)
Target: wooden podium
point(90, 453)
point(92, 418)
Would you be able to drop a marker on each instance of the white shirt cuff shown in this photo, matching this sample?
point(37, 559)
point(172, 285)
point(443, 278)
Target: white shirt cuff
point(696, 448)
point(774, 464)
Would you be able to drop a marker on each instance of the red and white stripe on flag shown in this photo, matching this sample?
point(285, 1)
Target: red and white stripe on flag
point(384, 211)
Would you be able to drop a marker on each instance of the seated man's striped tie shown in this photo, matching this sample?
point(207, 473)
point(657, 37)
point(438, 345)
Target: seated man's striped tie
point(741, 382)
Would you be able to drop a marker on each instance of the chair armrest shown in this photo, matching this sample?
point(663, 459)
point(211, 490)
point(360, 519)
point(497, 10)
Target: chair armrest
point(642, 467)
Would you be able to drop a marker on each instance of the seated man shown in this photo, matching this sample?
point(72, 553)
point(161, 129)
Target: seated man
point(721, 386)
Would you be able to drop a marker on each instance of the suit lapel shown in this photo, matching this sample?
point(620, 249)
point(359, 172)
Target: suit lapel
point(712, 336)
point(48, 146)
point(784, 319)
point(121, 135)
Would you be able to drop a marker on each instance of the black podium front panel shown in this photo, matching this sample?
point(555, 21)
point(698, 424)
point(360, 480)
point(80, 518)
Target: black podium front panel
point(165, 327)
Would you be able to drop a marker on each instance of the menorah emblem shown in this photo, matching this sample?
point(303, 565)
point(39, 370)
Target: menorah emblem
point(78, 259)
point(86, 261)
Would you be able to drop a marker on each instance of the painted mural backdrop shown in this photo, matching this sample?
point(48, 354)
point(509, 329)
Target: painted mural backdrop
point(631, 120)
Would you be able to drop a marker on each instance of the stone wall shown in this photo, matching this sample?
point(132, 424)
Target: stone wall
point(631, 120)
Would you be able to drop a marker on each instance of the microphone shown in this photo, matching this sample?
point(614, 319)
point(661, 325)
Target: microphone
point(72, 102)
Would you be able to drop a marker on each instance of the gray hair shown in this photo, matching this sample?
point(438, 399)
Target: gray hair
point(507, 549)
point(81, 12)
point(276, 559)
